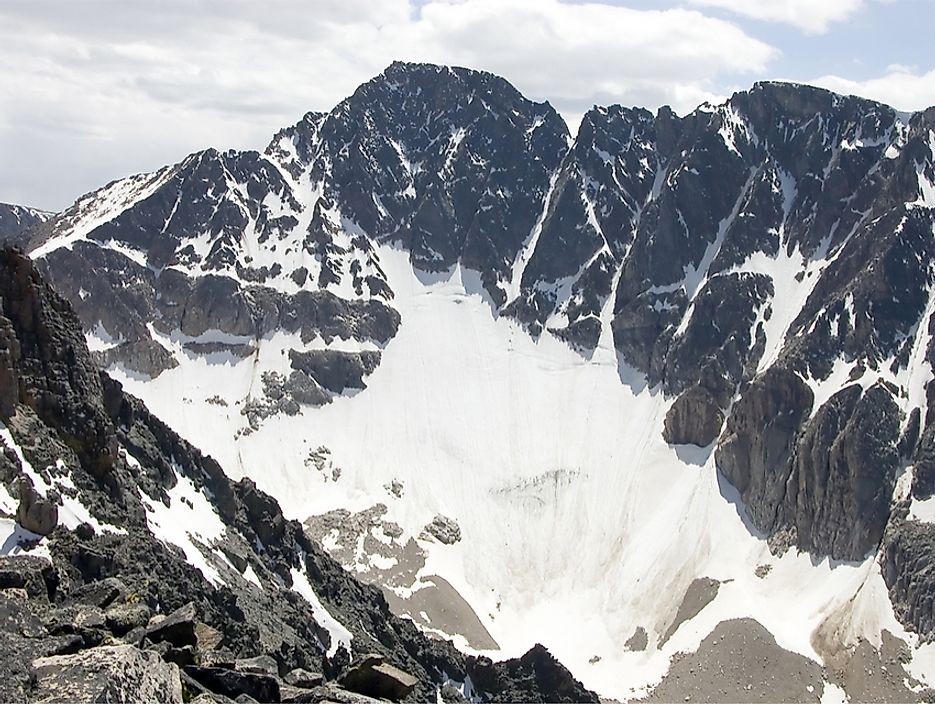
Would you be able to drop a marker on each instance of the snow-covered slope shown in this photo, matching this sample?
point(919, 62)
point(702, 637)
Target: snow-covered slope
point(640, 372)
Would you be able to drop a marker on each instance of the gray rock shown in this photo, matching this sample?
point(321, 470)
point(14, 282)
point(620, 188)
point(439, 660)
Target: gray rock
point(331, 692)
point(107, 674)
point(16, 617)
point(74, 619)
point(908, 566)
point(178, 628)
point(123, 618)
point(35, 513)
point(300, 677)
point(261, 664)
point(218, 658)
point(101, 593)
point(445, 530)
point(838, 499)
point(232, 683)
point(335, 370)
point(211, 698)
point(375, 678)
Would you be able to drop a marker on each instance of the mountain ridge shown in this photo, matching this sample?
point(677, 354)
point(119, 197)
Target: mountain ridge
point(757, 275)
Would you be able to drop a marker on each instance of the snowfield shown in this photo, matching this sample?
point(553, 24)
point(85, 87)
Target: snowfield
point(579, 523)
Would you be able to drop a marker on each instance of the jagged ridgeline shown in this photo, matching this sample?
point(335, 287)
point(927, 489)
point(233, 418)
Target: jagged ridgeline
point(434, 303)
point(99, 603)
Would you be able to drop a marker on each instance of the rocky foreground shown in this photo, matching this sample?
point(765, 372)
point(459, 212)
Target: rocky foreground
point(95, 607)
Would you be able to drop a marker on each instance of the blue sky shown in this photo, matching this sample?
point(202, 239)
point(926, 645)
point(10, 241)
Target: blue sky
point(93, 90)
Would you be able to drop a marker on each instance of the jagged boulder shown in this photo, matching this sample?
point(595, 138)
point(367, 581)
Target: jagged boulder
point(443, 529)
point(101, 593)
point(35, 575)
point(178, 628)
point(544, 679)
point(119, 673)
point(373, 677)
point(232, 683)
point(123, 618)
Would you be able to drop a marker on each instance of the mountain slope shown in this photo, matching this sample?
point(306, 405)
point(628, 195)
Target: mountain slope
point(674, 352)
point(135, 502)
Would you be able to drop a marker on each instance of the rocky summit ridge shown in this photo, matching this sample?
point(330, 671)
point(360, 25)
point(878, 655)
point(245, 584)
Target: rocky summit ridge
point(760, 270)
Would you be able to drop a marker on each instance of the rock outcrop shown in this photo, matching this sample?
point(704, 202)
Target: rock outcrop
point(119, 673)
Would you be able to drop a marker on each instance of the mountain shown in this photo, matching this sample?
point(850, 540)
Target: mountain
point(147, 523)
point(616, 393)
point(18, 221)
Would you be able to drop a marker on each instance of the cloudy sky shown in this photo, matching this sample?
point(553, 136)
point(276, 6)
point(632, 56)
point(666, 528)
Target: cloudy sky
point(93, 90)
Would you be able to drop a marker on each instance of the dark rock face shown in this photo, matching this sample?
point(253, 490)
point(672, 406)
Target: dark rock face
point(908, 566)
point(452, 162)
point(694, 418)
point(827, 480)
point(755, 452)
point(845, 467)
point(335, 370)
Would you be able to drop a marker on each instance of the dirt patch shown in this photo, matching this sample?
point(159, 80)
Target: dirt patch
point(439, 607)
point(699, 594)
point(740, 661)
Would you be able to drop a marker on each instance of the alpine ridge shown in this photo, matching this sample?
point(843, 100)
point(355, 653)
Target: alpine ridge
point(667, 378)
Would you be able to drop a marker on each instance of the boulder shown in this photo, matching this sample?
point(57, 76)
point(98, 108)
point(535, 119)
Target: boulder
point(16, 618)
point(33, 574)
point(333, 693)
point(35, 513)
point(261, 664)
point(77, 619)
point(123, 618)
point(218, 658)
point(208, 638)
point(303, 678)
point(375, 678)
point(101, 593)
point(445, 530)
point(231, 683)
point(119, 673)
point(178, 628)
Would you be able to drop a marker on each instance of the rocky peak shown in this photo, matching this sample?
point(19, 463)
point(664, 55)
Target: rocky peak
point(17, 223)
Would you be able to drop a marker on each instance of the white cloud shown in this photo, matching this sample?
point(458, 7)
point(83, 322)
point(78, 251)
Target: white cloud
point(93, 90)
point(904, 88)
point(811, 16)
